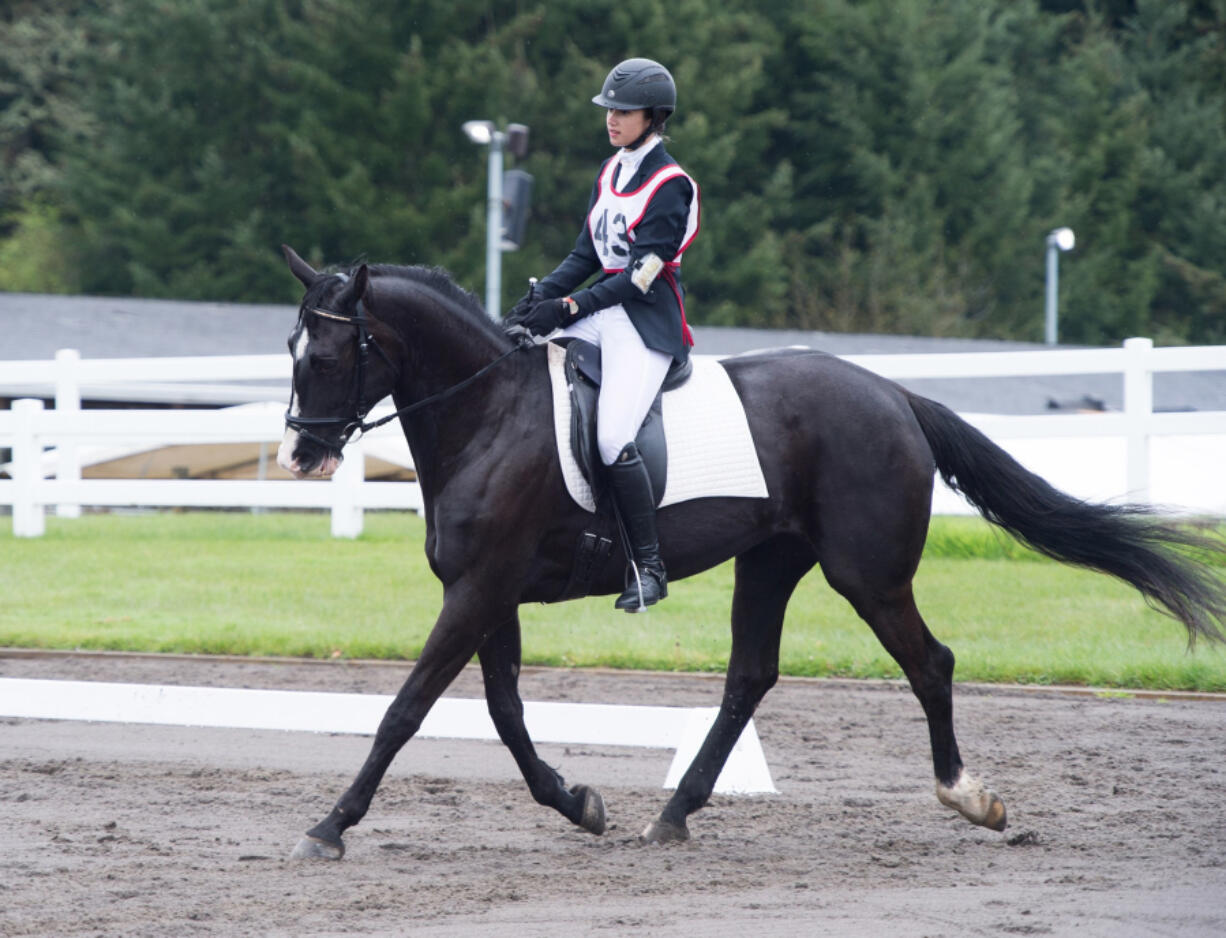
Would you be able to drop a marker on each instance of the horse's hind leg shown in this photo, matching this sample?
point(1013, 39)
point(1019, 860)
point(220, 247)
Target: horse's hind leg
point(929, 667)
point(500, 657)
point(765, 579)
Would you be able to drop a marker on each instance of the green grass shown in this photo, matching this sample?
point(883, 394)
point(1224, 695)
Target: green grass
point(278, 584)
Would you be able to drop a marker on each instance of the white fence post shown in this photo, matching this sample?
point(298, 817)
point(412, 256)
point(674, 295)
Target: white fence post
point(1138, 409)
point(67, 398)
point(346, 492)
point(28, 518)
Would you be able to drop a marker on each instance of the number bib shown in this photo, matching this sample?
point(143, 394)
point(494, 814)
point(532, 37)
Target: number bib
point(615, 215)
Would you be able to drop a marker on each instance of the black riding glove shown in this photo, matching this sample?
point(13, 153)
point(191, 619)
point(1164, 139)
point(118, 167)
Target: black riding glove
point(517, 312)
point(547, 315)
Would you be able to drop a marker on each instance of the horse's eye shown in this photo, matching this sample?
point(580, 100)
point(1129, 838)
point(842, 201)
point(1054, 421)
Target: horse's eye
point(323, 365)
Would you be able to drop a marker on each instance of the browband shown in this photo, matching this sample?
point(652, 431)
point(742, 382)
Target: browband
point(328, 314)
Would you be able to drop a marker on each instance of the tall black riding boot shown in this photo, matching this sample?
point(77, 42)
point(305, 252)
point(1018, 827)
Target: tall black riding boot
point(631, 486)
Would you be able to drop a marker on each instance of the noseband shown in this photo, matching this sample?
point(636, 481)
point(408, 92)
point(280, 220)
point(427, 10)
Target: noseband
point(356, 422)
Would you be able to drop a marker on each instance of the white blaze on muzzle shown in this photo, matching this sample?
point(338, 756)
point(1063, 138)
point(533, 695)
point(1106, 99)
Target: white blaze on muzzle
point(287, 461)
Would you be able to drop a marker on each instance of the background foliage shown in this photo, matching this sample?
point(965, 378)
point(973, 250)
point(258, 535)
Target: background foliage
point(866, 165)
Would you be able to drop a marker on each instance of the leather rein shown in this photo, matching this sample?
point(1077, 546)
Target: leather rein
point(357, 423)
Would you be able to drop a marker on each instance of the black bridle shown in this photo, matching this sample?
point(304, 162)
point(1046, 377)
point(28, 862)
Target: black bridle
point(356, 422)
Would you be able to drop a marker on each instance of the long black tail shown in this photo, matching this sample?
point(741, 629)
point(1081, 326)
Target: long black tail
point(1126, 541)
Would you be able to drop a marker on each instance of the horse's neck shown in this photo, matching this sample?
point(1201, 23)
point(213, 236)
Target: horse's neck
point(443, 343)
point(444, 351)
point(446, 437)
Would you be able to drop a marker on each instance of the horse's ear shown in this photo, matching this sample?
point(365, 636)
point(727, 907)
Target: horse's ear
point(298, 267)
point(361, 284)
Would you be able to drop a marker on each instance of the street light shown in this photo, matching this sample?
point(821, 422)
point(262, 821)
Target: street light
point(515, 139)
point(1060, 239)
point(479, 132)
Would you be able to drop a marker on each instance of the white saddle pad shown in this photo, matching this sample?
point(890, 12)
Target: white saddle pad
point(710, 450)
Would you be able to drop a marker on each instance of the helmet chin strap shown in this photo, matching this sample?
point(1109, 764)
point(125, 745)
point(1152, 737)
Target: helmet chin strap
point(642, 138)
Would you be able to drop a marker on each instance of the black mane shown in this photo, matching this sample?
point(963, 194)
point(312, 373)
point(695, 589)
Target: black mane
point(441, 282)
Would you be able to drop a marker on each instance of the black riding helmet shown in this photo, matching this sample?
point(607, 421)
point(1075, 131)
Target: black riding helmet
point(639, 84)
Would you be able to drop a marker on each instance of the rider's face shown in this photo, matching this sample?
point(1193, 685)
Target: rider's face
point(625, 126)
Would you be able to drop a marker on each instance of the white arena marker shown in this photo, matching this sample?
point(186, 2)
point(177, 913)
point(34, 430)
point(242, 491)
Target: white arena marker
point(745, 772)
point(680, 728)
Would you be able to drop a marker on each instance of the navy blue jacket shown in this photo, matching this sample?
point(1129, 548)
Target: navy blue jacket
point(658, 314)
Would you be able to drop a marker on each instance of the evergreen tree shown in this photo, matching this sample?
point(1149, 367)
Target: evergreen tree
point(866, 165)
point(913, 189)
point(39, 115)
point(1179, 57)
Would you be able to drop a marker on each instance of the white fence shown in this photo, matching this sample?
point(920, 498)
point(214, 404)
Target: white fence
point(1137, 424)
point(28, 428)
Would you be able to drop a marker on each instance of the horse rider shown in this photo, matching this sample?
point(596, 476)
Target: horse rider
point(642, 216)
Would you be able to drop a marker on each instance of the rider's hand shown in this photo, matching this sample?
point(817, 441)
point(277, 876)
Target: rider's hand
point(548, 315)
point(519, 335)
point(517, 312)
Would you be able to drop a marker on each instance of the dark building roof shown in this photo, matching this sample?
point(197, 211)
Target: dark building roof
point(37, 325)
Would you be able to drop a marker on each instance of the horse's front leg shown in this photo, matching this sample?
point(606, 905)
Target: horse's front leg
point(461, 629)
point(500, 658)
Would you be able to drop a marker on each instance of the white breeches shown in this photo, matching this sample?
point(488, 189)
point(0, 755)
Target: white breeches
point(631, 375)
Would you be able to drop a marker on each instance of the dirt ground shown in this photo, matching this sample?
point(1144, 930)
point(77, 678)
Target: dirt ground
point(1117, 825)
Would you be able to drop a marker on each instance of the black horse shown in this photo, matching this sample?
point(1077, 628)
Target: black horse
point(848, 459)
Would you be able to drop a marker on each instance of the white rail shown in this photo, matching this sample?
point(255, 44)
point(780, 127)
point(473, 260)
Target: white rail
point(27, 429)
point(1137, 362)
point(218, 379)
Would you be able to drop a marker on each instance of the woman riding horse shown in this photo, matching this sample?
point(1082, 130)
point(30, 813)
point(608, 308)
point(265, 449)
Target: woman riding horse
point(642, 215)
point(848, 459)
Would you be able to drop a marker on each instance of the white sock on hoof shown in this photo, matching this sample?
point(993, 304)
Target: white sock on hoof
point(967, 796)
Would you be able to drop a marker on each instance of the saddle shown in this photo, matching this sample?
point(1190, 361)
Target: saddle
point(581, 369)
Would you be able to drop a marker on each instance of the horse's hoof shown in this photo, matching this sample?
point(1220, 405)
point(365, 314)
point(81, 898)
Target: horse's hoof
point(661, 831)
point(312, 848)
point(975, 802)
point(996, 818)
point(593, 819)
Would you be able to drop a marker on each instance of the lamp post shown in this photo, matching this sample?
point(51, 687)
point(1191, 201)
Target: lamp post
point(1060, 239)
point(515, 139)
